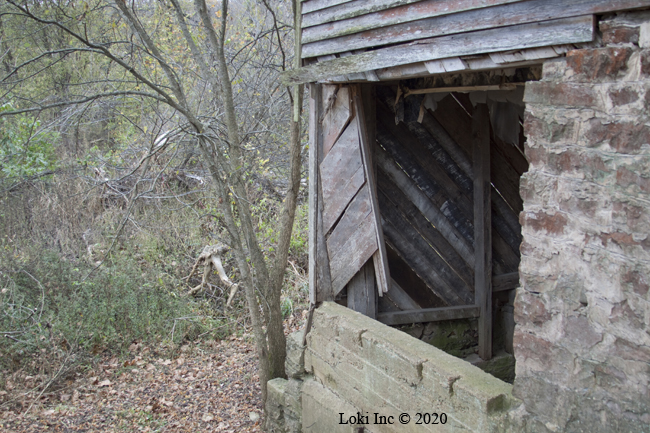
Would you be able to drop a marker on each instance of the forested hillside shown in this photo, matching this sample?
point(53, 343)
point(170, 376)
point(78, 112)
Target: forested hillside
point(133, 135)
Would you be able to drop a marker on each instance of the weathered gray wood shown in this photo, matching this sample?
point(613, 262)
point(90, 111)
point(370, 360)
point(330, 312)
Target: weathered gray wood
point(420, 21)
point(342, 175)
point(429, 315)
point(356, 212)
point(314, 114)
point(336, 118)
point(506, 180)
point(570, 30)
point(358, 249)
point(426, 261)
point(380, 261)
point(309, 6)
point(324, 279)
point(401, 299)
point(410, 281)
point(424, 204)
point(482, 227)
point(362, 295)
point(352, 9)
point(442, 192)
point(363, 15)
point(451, 147)
point(392, 196)
point(504, 282)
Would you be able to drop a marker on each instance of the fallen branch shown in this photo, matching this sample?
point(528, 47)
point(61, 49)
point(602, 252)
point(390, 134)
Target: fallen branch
point(211, 257)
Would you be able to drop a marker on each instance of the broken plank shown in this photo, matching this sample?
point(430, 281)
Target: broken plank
point(402, 273)
point(429, 315)
point(570, 30)
point(400, 297)
point(379, 259)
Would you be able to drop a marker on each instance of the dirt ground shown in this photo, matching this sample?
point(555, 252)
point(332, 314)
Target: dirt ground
point(207, 387)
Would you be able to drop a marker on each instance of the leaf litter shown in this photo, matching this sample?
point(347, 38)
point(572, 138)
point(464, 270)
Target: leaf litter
point(208, 386)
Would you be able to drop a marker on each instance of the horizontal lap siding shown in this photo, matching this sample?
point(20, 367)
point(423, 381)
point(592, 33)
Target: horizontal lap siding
point(347, 28)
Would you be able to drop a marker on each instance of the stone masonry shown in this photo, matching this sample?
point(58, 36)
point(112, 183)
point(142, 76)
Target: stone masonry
point(582, 338)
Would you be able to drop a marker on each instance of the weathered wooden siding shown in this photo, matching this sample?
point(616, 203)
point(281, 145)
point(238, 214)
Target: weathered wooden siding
point(426, 198)
point(362, 40)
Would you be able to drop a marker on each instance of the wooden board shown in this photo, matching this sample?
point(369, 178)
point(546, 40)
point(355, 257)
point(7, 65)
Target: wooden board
point(379, 259)
point(314, 5)
point(482, 228)
point(358, 249)
point(430, 19)
point(424, 205)
point(362, 295)
point(341, 20)
point(357, 211)
point(401, 299)
point(342, 175)
point(444, 281)
point(570, 30)
point(336, 118)
point(505, 282)
point(429, 315)
point(393, 196)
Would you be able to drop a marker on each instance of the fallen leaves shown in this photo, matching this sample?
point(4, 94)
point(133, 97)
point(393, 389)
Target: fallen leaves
point(210, 387)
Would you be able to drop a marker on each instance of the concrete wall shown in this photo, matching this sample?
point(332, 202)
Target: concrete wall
point(353, 364)
point(582, 340)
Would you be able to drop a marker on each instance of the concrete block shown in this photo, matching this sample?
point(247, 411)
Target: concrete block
point(295, 361)
point(275, 405)
point(321, 409)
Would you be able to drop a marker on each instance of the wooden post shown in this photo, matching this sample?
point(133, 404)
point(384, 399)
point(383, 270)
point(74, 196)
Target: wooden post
point(314, 113)
point(482, 228)
point(362, 295)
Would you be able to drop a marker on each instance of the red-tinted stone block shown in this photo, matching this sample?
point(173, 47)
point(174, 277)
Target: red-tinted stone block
point(599, 63)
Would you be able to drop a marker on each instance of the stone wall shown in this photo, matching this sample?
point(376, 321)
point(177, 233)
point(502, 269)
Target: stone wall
point(582, 340)
point(355, 365)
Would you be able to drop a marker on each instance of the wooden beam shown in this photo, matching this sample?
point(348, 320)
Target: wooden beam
point(362, 296)
point(429, 315)
point(505, 282)
point(432, 18)
point(570, 30)
point(482, 228)
point(314, 5)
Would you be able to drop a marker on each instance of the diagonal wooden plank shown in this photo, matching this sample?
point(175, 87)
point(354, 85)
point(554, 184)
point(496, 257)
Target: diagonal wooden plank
point(358, 249)
point(553, 32)
point(392, 196)
point(422, 257)
point(420, 261)
point(336, 119)
point(355, 213)
point(424, 204)
point(341, 174)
